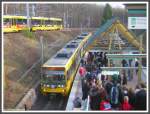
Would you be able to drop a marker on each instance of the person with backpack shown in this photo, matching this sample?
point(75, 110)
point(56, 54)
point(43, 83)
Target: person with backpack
point(114, 96)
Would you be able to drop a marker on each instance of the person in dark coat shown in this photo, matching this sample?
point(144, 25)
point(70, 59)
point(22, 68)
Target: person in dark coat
point(105, 61)
point(124, 62)
point(119, 79)
point(121, 94)
point(108, 85)
point(124, 81)
point(94, 98)
point(140, 100)
point(85, 89)
point(131, 95)
point(136, 65)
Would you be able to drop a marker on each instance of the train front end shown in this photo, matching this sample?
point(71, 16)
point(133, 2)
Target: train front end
point(53, 81)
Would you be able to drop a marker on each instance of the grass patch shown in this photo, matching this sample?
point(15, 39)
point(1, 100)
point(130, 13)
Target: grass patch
point(28, 34)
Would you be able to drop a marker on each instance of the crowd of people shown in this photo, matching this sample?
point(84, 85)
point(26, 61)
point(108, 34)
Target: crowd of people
point(108, 92)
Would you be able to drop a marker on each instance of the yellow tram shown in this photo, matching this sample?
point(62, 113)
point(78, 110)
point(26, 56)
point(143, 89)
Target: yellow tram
point(12, 23)
point(58, 72)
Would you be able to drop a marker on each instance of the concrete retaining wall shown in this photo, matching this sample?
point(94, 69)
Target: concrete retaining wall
point(28, 100)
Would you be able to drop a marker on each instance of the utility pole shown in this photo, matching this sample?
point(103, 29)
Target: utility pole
point(64, 20)
point(42, 47)
point(6, 9)
point(28, 15)
point(81, 27)
point(42, 57)
point(67, 18)
point(33, 10)
point(89, 22)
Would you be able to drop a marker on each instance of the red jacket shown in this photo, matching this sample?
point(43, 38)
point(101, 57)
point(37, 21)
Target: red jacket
point(126, 106)
point(82, 71)
point(104, 105)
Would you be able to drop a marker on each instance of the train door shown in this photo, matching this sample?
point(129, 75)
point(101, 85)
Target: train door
point(46, 23)
point(14, 22)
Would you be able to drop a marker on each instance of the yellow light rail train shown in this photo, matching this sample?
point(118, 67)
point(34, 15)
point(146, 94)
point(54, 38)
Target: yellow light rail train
point(18, 23)
point(58, 72)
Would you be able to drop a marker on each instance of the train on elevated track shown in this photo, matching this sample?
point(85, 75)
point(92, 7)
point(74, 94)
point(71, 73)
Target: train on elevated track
point(59, 71)
point(12, 23)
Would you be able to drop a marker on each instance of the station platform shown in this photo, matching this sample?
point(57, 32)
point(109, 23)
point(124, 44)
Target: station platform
point(76, 91)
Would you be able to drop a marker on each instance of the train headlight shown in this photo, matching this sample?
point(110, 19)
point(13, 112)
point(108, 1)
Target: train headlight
point(48, 85)
point(59, 85)
point(44, 85)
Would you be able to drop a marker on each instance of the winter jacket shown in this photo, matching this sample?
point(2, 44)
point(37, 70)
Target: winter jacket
point(124, 82)
point(140, 100)
point(108, 86)
point(105, 105)
point(94, 98)
point(126, 106)
point(85, 90)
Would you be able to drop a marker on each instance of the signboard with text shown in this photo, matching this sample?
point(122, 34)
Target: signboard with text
point(137, 22)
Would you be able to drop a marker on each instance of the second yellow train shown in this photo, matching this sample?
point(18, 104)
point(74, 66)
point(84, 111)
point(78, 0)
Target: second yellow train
point(13, 23)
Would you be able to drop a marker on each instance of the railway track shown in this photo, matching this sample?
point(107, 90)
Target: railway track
point(46, 103)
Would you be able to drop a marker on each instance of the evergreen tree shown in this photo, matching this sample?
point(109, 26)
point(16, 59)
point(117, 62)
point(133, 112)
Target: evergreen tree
point(107, 14)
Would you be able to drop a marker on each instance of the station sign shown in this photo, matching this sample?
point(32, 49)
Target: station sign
point(137, 22)
point(109, 72)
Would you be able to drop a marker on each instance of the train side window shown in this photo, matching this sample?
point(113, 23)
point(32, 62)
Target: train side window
point(36, 22)
point(7, 22)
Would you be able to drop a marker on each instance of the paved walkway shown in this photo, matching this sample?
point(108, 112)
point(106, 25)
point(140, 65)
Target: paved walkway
point(134, 81)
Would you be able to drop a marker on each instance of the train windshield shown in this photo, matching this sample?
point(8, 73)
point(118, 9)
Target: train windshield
point(54, 77)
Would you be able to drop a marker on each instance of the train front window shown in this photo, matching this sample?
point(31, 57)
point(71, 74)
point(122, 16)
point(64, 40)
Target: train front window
point(56, 78)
